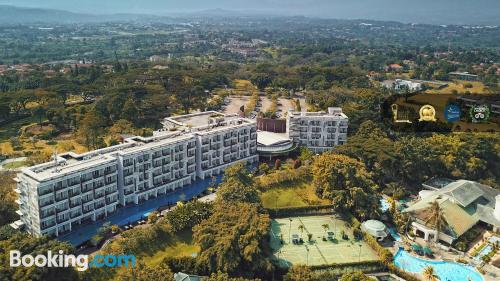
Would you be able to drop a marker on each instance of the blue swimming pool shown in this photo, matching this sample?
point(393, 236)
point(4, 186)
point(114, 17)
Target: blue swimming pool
point(487, 249)
point(394, 234)
point(446, 271)
point(385, 205)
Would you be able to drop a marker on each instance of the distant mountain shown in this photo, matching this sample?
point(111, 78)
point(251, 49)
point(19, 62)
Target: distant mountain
point(485, 12)
point(19, 15)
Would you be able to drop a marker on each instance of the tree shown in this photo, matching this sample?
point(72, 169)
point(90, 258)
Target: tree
point(186, 90)
point(326, 227)
point(277, 164)
point(39, 112)
point(346, 182)
point(261, 81)
point(220, 276)
point(237, 186)
point(436, 218)
point(30, 245)
point(90, 131)
point(372, 146)
point(429, 273)
point(299, 273)
point(129, 110)
point(301, 229)
point(142, 272)
point(188, 215)
point(7, 197)
point(263, 168)
point(122, 126)
point(233, 239)
point(306, 155)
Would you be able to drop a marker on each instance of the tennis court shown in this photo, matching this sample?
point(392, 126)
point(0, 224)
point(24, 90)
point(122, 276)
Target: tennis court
point(317, 251)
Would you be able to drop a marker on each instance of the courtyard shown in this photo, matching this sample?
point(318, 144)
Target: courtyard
point(327, 246)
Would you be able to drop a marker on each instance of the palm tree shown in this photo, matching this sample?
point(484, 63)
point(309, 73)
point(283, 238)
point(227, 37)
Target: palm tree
point(430, 274)
point(301, 229)
point(461, 246)
point(436, 218)
point(325, 228)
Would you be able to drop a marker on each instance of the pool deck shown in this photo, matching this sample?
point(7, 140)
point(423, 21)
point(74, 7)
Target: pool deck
point(131, 214)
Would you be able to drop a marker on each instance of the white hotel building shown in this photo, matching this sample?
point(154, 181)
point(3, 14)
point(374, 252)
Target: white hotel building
point(319, 131)
point(57, 196)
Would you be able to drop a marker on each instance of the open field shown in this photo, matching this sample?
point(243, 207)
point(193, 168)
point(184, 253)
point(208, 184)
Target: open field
point(14, 165)
point(317, 251)
point(292, 195)
point(61, 145)
point(459, 86)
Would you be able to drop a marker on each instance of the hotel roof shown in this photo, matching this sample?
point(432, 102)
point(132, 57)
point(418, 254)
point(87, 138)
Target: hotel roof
point(269, 138)
point(177, 129)
point(463, 202)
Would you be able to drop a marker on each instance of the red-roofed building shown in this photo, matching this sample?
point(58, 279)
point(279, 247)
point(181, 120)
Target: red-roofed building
point(394, 67)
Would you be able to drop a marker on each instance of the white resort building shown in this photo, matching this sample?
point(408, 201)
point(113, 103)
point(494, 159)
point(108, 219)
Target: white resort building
point(463, 205)
point(319, 131)
point(74, 189)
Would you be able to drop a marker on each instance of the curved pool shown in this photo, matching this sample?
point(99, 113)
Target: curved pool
point(446, 271)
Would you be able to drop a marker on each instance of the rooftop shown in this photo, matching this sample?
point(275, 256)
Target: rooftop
point(203, 121)
point(269, 138)
point(332, 112)
point(463, 202)
point(177, 129)
point(197, 119)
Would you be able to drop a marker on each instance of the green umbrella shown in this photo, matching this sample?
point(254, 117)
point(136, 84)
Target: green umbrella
point(427, 250)
point(416, 247)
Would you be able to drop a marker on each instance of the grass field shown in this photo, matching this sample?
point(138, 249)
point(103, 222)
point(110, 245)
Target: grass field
point(459, 86)
point(316, 251)
point(181, 246)
point(14, 165)
point(291, 195)
point(241, 88)
point(61, 145)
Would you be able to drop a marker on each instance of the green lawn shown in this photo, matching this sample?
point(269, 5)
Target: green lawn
point(291, 195)
point(181, 246)
point(14, 165)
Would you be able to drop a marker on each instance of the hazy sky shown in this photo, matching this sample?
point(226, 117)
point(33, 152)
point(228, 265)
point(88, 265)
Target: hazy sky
point(402, 10)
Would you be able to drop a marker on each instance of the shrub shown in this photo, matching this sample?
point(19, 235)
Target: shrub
point(283, 176)
point(96, 240)
point(185, 264)
point(115, 229)
point(300, 211)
